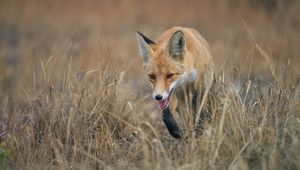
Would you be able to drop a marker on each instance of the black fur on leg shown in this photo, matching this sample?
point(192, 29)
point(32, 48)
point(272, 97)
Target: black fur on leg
point(171, 124)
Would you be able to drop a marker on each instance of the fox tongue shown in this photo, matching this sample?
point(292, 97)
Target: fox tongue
point(163, 104)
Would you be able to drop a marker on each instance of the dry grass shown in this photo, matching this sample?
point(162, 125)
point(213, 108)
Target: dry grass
point(73, 94)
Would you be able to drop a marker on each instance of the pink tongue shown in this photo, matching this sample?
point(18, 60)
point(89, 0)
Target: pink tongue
point(163, 104)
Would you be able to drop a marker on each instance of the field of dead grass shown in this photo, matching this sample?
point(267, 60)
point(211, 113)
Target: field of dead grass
point(73, 94)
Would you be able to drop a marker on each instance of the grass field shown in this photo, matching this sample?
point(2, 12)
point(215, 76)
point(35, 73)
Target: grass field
point(73, 94)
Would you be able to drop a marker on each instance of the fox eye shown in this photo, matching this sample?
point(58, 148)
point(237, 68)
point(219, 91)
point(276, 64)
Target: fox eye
point(169, 75)
point(152, 76)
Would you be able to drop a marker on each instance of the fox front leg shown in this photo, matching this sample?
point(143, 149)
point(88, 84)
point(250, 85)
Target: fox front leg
point(171, 124)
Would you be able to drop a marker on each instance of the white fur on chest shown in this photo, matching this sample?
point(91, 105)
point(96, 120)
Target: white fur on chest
point(188, 77)
point(184, 79)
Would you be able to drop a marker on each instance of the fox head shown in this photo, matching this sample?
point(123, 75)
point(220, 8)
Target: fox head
point(163, 64)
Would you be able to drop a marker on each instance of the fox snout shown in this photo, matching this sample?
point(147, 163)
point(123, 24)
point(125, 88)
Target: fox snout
point(163, 97)
point(163, 94)
point(160, 95)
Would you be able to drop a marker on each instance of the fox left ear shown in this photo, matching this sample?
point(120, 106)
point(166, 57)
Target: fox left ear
point(176, 46)
point(144, 44)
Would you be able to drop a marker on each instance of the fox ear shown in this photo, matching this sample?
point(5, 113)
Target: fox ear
point(144, 45)
point(176, 45)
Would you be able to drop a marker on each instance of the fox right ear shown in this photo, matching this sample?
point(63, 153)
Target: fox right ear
point(144, 46)
point(176, 45)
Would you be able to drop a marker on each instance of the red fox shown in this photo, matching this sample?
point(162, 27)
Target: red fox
point(180, 57)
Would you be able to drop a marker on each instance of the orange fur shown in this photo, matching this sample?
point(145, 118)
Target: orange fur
point(191, 68)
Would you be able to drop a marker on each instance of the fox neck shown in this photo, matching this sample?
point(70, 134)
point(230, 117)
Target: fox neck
point(188, 77)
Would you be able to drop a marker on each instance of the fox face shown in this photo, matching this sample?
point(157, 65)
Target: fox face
point(163, 64)
point(164, 77)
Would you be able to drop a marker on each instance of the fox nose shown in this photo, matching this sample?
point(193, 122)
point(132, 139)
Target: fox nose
point(158, 97)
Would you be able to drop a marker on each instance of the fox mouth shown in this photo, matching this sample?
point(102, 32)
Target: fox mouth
point(164, 103)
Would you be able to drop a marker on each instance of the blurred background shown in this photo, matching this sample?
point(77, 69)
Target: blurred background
point(72, 83)
point(32, 31)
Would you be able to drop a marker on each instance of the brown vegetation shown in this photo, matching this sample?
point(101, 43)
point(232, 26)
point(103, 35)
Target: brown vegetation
point(73, 94)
